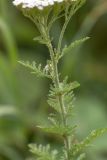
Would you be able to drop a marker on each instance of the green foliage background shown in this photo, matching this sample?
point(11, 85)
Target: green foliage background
point(23, 96)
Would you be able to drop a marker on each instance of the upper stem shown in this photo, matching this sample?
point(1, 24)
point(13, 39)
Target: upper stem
point(67, 19)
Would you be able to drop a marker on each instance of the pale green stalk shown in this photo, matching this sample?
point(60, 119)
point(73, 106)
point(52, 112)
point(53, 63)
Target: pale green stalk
point(56, 82)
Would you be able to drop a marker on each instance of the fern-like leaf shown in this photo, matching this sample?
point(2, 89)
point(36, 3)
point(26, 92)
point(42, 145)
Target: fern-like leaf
point(35, 69)
point(73, 45)
point(59, 130)
point(76, 148)
point(43, 152)
point(66, 90)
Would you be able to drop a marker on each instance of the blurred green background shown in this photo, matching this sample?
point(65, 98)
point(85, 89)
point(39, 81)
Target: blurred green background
point(23, 96)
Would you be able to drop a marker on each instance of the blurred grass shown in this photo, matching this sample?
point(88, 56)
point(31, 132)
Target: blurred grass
point(23, 96)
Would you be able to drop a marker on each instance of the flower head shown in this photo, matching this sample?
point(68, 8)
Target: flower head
point(44, 13)
point(39, 4)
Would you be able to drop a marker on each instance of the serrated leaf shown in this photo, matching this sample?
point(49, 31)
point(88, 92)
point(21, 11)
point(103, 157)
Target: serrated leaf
point(53, 119)
point(73, 45)
point(66, 90)
point(54, 103)
point(63, 88)
point(59, 130)
point(35, 69)
point(74, 85)
point(76, 148)
point(43, 152)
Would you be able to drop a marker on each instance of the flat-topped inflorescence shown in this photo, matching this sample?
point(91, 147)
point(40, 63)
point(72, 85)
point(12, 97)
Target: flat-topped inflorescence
point(39, 4)
point(45, 12)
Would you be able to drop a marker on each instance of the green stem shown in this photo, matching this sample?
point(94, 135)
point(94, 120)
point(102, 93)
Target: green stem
point(60, 97)
point(61, 36)
point(56, 81)
point(67, 19)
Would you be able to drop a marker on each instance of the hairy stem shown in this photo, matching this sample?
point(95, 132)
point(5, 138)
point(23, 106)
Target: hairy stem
point(60, 97)
point(61, 36)
point(56, 81)
point(67, 19)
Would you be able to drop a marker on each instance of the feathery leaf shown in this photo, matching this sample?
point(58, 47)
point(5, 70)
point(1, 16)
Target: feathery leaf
point(59, 130)
point(76, 148)
point(43, 152)
point(35, 69)
point(73, 45)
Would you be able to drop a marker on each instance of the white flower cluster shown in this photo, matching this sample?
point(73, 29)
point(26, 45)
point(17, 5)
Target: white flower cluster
point(40, 4)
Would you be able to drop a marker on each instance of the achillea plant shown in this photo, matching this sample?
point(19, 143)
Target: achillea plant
point(44, 13)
